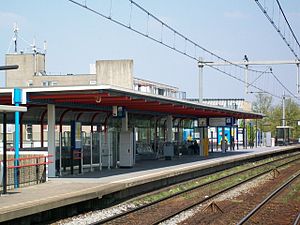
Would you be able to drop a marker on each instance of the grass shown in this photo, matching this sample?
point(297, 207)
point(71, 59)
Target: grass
point(293, 195)
point(202, 180)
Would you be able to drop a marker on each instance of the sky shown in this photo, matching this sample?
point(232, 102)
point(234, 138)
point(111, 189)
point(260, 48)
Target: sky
point(232, 28)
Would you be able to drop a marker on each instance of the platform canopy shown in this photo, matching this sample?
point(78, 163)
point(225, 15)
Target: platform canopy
point(88, 100)
point(10, 108)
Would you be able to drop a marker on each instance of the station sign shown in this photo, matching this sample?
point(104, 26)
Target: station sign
point(221, 121)
point(230, 121)
point(118, 111)
point(202, 122)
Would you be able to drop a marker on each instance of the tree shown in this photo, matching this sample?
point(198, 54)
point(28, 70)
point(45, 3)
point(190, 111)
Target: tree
point(292, 115)
point(292, 111)
point(263, 104)
point(273, 115)
point(275, 119)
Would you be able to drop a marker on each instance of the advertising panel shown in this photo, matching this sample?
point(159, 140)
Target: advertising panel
point(75, 135)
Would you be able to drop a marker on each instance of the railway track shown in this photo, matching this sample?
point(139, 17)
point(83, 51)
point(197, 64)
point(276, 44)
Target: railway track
point(156, 207)
point(297, 220)
point(269, 198)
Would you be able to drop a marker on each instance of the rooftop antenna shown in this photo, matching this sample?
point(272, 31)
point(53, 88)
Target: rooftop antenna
point(15, 38)
point(45, 47)
point(34, 49)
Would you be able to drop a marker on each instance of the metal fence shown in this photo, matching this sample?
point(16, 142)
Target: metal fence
point(25, 171)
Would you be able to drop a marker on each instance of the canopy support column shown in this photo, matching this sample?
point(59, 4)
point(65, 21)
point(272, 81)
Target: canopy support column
point(17, 101)
point(169, 128)
point(51, 138)
point(223, 144)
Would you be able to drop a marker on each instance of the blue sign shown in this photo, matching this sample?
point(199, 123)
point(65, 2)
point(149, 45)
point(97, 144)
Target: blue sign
point(75, 135)
point(188, 134)
point(227, 134)
point(229, 121)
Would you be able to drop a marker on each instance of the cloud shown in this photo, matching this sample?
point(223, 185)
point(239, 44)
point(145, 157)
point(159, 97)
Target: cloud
point(7, 19)
point(235, 15)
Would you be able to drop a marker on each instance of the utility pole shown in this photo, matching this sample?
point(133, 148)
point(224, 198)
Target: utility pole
point(4, 140)
point(201, 64)
point(200, 81)
point(246, 80)
point(246, 74)
point(283, 109)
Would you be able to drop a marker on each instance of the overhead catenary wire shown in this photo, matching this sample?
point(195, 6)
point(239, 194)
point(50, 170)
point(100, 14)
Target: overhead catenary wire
point(288, 90)
point(277, 27)
point(287, 22)
point(176, 33)
point(173, 46)
point(186, 39)
point(264, 72)
point(239, 79)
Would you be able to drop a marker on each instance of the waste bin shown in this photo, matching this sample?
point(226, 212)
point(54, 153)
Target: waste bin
point(168, 150)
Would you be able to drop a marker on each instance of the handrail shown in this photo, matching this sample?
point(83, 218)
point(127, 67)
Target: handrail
point(27, 158)
point(29, 165)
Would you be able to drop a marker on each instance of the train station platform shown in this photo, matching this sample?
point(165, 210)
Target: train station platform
point(61, 197)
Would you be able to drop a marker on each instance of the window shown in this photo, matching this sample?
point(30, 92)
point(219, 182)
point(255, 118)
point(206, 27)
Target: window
point(10, 128)
point(161, 91)
point(47, 83)
point(28, 129)
point(45, 127)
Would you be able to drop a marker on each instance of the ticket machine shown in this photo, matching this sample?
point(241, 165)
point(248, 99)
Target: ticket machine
point(126, 149)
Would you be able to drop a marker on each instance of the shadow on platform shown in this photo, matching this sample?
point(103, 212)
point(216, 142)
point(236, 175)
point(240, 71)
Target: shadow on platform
point(143, 165)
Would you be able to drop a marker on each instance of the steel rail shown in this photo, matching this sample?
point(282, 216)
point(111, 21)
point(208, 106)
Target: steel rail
point(268, 198)
point(297, 220)
point(191, 189)
point(216, 194)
